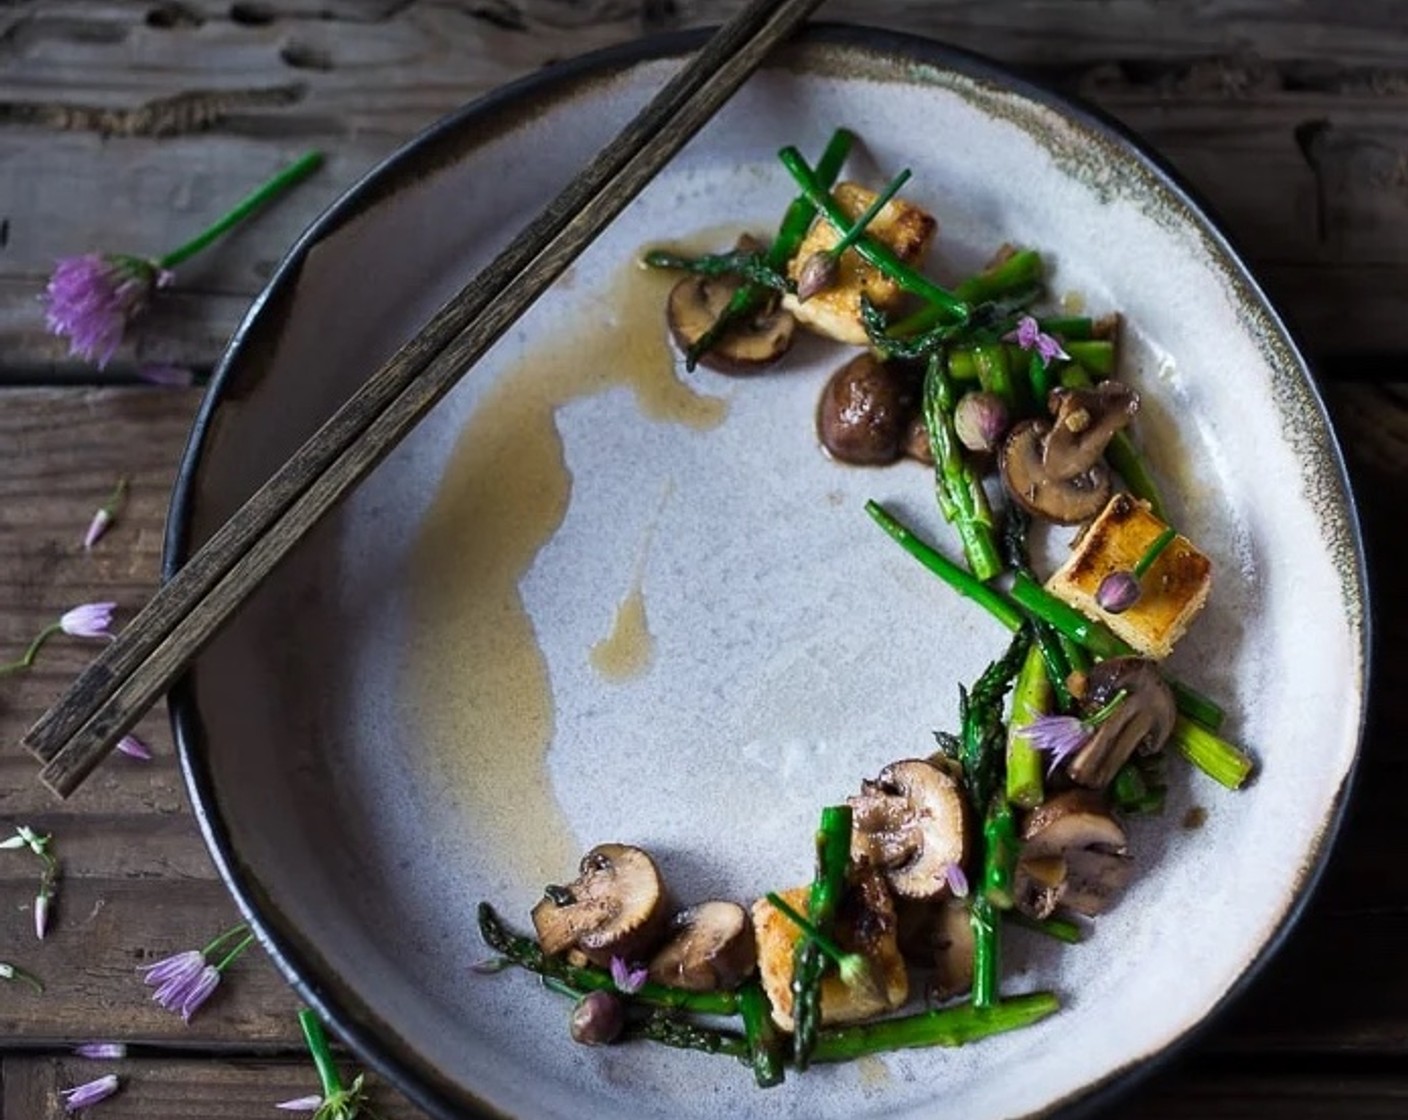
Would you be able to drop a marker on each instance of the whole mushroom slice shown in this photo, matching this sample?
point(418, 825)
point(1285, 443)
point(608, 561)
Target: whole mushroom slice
point(616, 907)
point(1056, 469)
point(865, 411)
point(710, 946)
point(1073, 854)
point(753, 343)
point(1142, 721)
point(911, 822)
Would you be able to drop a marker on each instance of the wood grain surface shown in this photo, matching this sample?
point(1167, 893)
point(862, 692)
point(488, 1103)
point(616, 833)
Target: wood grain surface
point(127, 124)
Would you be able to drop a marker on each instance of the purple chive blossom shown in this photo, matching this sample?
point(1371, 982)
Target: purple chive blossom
point(184, 981)
point(82, 1096)
point(1117, 592)
point(627, 979)
point(199, 991)
point(91, 620)
point(102, 521)
point(102, 1051)
point(166, 373)
point(91, 299)
point(133, 747)
point(1058, 737)
point(1030, 336)
point(957, 880)
point(309, 1103)
point(41, 913)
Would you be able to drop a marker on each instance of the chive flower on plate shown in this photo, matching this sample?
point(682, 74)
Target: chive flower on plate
point(184, 981)
point(1029, 336)
point(628, 980)
point(1121, 589)
point(83, 1096)
point(1060, 737)
point(92, 298)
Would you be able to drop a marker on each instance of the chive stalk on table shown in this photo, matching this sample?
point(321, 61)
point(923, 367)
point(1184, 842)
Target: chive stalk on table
point(833, 855)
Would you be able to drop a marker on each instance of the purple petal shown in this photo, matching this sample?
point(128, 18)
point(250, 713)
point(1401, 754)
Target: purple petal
point(90, 620)
point(626, 978)
point(1049, 348)
point(92, 298)
point(200, 991)
point(302, 1104)
point(187, 964)
point(1059, 737)
point(102, 1051)
point(133, 747)
point(96, 528)
point(41, 916)
point(957, 880)
point(81, 1096)
point(166, 373)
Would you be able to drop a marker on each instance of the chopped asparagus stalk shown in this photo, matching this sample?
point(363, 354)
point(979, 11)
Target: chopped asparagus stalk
point(1031, 697)
point(987, 952)
point(1059, 928)
point(833, 854)
point(962, 499)
point(764, 1043)
point(1215, 757)
point(672, 1031)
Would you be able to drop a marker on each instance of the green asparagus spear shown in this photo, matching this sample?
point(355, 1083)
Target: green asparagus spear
point(752, 267)
point(1219, 759)
point(959, 488)
point(987, 951)
point(833, 854)
point(672, 1031)
point(980, 713)
point(1059, 928)
point(949, 1026)
point(1031, 697)
point(527, 953)
point(764, 1044)
point(1095, 354)
point(1000, 850)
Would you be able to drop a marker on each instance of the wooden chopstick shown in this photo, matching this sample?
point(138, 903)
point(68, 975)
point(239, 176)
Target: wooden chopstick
point(134, 671)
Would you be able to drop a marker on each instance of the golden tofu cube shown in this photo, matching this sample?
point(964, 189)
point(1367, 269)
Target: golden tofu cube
point(777, 938)
point(1172, 591)
point(835, 312)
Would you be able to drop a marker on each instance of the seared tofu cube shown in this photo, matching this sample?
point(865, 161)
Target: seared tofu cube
point(835, 312)
point(1172, 591)
point(777, 938)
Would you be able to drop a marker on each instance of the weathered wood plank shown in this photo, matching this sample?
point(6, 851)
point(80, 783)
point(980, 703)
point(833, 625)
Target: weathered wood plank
point(176, 1088)
point(1295, 134)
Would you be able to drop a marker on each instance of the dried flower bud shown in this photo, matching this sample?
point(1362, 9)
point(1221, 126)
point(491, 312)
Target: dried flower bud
point(818, 273)
point(1117, 592)
point(980, 420)
point(597, 1019)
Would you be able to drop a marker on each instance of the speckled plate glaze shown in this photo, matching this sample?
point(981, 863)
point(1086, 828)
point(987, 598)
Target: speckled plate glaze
point(785, 649)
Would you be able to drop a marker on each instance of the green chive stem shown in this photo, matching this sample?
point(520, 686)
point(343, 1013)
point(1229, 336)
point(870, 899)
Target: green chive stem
point(294, 173)
point(318, 1047)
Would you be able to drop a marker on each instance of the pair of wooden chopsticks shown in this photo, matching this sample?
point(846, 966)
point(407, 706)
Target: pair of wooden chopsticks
point(134, 671)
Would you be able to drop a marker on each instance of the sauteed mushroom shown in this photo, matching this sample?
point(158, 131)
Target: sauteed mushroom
point(911, 823)
point(1055, 469)
point(616, 907)
point(1073, 855)
point(1142, 721)
point(711, 947)
point(754, 342)
point(865, 411)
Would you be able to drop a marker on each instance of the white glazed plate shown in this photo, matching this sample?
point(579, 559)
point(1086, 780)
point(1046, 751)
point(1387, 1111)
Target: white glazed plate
point(409, 717)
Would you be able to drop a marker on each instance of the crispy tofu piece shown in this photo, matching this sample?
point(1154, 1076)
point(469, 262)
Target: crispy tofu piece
point(1174, 588)
point(777, 939)
point(835, 312)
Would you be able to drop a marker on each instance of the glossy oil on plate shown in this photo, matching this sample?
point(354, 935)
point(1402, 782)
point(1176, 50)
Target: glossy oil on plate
point(596, 598)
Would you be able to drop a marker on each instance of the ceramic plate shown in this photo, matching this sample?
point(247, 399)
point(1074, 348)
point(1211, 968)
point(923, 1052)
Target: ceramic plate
point(595, 598)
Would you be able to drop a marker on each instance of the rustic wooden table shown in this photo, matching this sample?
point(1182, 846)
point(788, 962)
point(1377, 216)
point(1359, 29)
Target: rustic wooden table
point(126, 123)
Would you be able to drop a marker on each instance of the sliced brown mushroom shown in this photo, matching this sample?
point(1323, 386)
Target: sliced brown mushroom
point(616, 907)
point(1142, 721)
point(748, 346)
point(911, 822)
point(917, 445)
point(953, 950)
point(711, 946)
point(1056, 469)
point(1073, 854)
point(865, 411)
